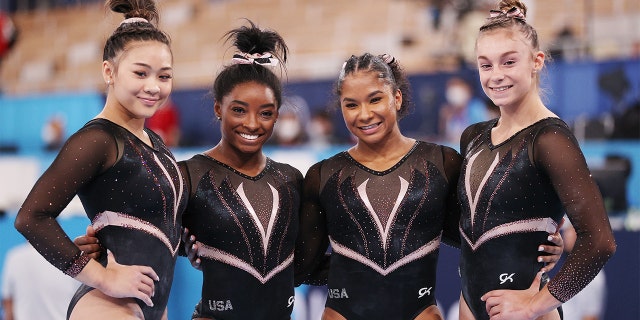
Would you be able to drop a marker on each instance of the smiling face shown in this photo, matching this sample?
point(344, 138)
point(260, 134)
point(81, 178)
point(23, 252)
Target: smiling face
point(248, 114)
point(369, 107)
point(140, 78)
point(507, 65)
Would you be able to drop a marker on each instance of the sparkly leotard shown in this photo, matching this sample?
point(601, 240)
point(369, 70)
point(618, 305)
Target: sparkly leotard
point(513, 194)
point(246, 229)
point(384, 228)
point(134, 195)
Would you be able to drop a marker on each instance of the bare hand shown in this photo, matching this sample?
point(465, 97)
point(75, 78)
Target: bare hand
point(124, 281)
point(512, 304)
point(89, 243)
point(555, 251)
point(191, 248)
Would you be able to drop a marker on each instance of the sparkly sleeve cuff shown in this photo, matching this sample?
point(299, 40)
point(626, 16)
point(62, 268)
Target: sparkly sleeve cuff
point(77, 265)
point(558, 294)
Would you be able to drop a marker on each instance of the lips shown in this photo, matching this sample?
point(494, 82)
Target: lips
point(149, 101)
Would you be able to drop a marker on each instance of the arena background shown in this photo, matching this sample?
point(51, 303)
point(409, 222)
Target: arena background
point(592, 82)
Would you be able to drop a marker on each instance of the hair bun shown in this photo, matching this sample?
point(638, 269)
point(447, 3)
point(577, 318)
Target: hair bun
point(506, 5)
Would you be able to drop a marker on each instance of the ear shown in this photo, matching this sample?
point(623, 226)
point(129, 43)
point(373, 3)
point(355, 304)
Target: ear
point(217, 110)
point(398, 99)
point(538, 61)
point(108, 71)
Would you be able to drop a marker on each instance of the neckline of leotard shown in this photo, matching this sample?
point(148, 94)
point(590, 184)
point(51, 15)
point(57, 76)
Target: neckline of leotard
point(234, 170)
point(513, 136)
point(384, 172)
point(153, 142)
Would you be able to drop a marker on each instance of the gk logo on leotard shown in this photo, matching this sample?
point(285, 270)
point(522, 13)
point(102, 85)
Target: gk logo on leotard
point(506, 277)
point(424, 291)
point(290, 302)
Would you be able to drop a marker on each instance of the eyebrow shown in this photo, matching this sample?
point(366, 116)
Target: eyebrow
point(149, 67)
point(266, 105)
point(368, 96)
point(502, 55)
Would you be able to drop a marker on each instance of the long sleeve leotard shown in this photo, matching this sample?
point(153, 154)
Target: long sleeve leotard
point(133, 193)
point(513, 194)
point(384, 229)
point(246, 229)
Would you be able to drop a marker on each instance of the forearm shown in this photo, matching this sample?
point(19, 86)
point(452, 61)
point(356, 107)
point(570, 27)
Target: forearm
point(543, 302)
point(92, 274)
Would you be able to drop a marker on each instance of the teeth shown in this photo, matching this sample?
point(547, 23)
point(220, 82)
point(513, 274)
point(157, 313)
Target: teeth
point(368, 127)
point(249, 136)
point(501, 89)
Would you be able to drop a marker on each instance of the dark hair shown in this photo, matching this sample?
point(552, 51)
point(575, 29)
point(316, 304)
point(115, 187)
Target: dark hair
point(136, 30)
point(387, 68)
point(252, 40)
point(504, 21)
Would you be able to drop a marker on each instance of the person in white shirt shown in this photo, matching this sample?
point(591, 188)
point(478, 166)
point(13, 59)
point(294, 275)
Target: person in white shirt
point(32, 288)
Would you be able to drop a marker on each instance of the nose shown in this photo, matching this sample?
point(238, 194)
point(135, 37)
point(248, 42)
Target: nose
point(365, 112)
point(151, 87)
point(497, 75)
point(251, 122)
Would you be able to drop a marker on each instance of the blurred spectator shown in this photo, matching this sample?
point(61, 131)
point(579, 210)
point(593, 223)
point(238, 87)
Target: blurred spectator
point(627, 124)
point(32, 288)
point(166, 123)
point(588, 304)
point(566, 46)
point(321, 130)
point(8, 34)
point(8, 37)
point(293, 118)
point(53, 133)
point(460, 110)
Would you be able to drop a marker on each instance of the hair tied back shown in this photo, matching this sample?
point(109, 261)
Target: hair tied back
point(514, 12)
point(387, 58)
point(264, 59)
point(134, 19)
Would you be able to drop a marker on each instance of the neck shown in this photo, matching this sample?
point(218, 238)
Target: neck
point(523, 115)
point(391, 149)
point(247, 163)
point(133, 125)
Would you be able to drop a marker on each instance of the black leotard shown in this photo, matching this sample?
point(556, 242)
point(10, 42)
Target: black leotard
point(384, 228)
point(133, 193)
point(513, 195)
point(246, 228)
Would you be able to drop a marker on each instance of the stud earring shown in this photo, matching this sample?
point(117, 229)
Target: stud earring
point(219, 118)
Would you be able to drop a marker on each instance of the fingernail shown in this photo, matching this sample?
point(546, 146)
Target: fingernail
point(192, 238)
point(540, 248)
point(550, 238)
point(539, 259)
